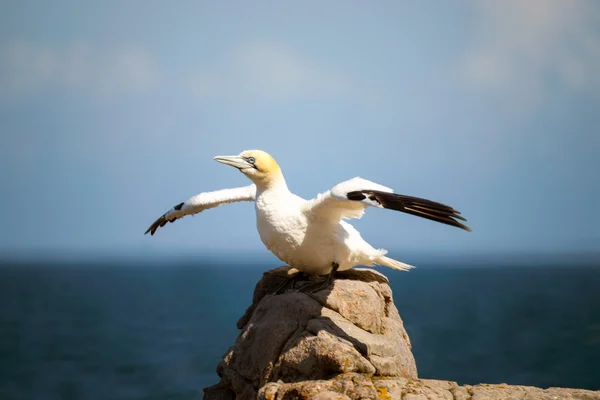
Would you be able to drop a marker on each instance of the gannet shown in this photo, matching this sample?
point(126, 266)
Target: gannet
point(311, 235)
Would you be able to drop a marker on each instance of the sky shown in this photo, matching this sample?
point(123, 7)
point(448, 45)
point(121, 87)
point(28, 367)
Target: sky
point(111, 113)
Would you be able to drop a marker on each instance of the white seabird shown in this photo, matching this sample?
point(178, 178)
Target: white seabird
point(310, 235)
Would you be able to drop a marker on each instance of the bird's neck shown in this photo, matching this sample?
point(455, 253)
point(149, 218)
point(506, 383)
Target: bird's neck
point(273, 183)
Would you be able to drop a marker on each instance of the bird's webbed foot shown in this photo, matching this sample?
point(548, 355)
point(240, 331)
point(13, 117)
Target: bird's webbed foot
point(314, 287)
point(289, 282)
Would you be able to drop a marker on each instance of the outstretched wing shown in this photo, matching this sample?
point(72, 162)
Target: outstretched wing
point(349, 199)
point(204, 201)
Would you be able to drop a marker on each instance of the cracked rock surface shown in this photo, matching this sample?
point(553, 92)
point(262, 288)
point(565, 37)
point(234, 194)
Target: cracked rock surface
point(344, 342)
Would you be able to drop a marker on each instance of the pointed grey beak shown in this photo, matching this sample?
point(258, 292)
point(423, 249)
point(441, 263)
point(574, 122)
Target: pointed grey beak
point(234, 161)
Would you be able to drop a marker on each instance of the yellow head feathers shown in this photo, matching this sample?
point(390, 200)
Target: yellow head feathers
point(263, 161)
point(257, 165)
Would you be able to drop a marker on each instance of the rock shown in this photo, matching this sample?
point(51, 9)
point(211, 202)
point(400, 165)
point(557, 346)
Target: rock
point(355, 386)
point(294, 336)
point(344, 342)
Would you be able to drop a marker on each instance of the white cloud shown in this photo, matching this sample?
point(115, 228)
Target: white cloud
point(266, 71)
point(523, 48)
point(27, 68)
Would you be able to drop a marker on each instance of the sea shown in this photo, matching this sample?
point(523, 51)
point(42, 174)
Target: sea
point(128, 330)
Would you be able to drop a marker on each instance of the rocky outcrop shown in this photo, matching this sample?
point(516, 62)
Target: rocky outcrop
point(355, 386)
point(344, 342)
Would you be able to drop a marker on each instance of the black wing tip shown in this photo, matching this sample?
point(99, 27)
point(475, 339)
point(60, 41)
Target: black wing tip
point(151, 230)
point(419, 207)
point(162, 221)
point(156, 224)
point(462, 226)
point(447, 220)
point(456, 215)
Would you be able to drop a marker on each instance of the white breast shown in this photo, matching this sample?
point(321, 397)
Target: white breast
point(280, 225)
point(285, 230)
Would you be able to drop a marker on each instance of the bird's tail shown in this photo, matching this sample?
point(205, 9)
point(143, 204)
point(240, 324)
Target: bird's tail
point(390, 262)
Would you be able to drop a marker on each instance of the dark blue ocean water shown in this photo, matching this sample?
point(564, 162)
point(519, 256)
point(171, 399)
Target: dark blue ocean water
point(126, 331)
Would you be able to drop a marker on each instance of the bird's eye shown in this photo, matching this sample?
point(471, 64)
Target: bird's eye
point(251, 160)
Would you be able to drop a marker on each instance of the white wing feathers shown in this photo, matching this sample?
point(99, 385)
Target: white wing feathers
point(349, 200)
point(204, 201)
point(335, 205)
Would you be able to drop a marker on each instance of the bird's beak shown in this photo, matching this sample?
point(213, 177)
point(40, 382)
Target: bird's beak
point(234, 161)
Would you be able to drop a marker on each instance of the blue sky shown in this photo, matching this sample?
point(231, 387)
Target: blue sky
point(111, 112)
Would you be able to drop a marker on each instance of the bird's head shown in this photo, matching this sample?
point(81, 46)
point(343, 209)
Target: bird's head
point(257, 165)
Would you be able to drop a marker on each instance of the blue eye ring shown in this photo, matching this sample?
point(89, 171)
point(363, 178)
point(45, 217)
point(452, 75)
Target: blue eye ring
point(251, 160)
